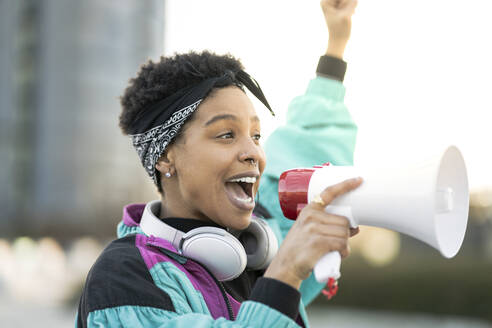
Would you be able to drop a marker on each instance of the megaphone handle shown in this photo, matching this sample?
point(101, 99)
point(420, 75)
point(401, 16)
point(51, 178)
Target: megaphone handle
point(328, 267)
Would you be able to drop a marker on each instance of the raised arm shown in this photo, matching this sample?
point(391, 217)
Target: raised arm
point(319, 127)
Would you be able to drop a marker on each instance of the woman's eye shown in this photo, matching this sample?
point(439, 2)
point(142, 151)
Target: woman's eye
point(228, 135)
point(257, 136)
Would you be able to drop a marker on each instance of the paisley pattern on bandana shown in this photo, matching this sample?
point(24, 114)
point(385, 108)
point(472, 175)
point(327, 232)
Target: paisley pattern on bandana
point(151, 144)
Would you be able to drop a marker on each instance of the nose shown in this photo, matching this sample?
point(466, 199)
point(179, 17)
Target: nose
point(251, 161)
point(250, 153)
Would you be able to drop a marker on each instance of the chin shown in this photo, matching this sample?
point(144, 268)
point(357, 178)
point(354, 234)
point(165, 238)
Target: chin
point(240, 223)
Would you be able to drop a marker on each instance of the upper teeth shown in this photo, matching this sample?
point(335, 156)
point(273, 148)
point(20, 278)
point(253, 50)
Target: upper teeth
point(245, 179)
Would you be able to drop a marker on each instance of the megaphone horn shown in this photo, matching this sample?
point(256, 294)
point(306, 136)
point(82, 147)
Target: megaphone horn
point(428, 202)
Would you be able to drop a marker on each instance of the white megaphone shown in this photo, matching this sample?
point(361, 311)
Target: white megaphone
point(428, 201)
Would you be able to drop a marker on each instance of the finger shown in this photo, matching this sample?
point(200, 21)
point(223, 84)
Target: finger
point(323, 245)
point(315, 214)
point(354, 231)
point(345, 252)
point(333, 231)
point(344, 3)
point(329, 6)
point(332, 192)
point(350, 8)
point(336, 244)
point(327, 219)
point(329, 3)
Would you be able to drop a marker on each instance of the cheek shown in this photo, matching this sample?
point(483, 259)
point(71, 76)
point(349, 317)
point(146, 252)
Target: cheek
point(262, 160)
point(199, 171)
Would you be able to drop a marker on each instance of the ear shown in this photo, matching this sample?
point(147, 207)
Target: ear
point(165, 163)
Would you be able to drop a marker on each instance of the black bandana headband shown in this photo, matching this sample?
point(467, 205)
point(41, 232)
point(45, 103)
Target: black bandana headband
point(157, 126)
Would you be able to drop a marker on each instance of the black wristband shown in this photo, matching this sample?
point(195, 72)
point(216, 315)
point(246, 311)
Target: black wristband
point(277, 295)
point(332, 67)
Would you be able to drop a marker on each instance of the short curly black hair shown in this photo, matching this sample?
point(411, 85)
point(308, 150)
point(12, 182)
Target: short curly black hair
point(158, 80)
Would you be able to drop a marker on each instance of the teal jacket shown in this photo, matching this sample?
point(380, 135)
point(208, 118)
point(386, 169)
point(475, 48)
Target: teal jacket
point(139, 281)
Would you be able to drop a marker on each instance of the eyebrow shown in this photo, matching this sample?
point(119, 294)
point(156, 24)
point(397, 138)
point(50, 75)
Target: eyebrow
point(227, 117)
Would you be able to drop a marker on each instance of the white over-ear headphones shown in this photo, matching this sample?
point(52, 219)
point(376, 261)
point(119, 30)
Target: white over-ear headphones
point(224, 254)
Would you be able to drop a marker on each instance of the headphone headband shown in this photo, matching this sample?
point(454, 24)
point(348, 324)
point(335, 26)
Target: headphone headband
point(151, 225)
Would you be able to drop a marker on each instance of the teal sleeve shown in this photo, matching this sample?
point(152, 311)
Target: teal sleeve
point(251, 314)
point(319, 129)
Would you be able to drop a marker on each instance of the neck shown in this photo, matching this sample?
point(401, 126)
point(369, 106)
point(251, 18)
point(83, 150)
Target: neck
point(171, 208)
point(166, 209)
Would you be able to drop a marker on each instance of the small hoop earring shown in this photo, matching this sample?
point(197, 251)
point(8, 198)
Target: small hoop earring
point(167, 175)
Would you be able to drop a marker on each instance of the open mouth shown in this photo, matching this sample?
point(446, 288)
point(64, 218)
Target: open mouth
point(240, 191)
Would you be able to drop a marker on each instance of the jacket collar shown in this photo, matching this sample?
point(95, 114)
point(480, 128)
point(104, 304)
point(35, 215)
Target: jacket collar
point(133, 213)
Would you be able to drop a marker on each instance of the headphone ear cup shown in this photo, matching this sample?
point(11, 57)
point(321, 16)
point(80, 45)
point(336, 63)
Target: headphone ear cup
point(260, 244)
point(219, 251)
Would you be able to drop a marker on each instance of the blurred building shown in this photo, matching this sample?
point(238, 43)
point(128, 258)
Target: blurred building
point(64, 164)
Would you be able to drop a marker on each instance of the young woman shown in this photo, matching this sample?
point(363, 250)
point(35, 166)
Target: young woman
point(200, 256)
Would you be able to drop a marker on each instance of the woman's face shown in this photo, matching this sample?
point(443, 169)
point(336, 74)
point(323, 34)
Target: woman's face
point(217, 162)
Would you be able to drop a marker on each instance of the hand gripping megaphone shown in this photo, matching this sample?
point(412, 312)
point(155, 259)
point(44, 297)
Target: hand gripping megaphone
point(428, 201)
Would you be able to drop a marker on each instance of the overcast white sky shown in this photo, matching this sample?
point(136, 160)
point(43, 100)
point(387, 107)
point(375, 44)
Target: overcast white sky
point(419, 76)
